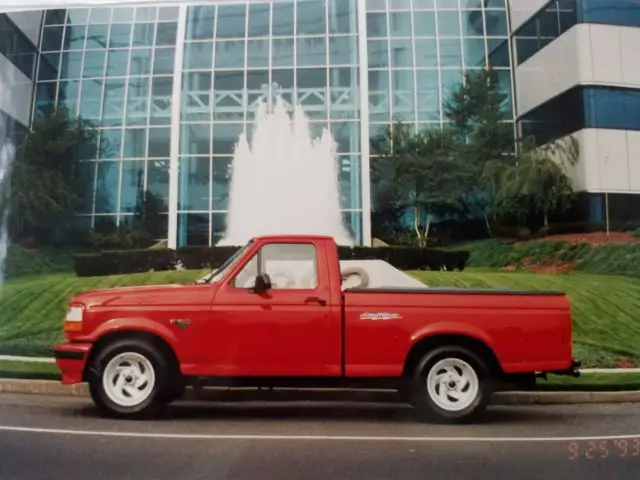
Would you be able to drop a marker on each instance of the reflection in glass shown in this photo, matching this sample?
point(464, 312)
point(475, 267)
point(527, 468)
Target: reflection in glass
point(117, 61)
point(200, 22)
point(312, 51)
point(135, 143)
point(97, 36)
point(198, 56)
point(283, 19)
point(450, 52)
point(193, 229)
point(107, 187)
point(282, 52)
point(140, 62)
point(424, 24)
point(230, 54)
point(163, 61)
point(91, 99)
point(428, 95)
point(161, 96)
point(258, 20)
point(426, 52)
point(400, 24)
point(113, 104)
point(132, 184)
point(231, 21)
point(401, 53)
point(158, 179)
point(194, 183)
point(221, 176)
point(138, 101)
point(376, 24)
point(402, 91)
point(343, 50)
point(110, 143)
point(94, 63)
point(257, 53)
point(120, 35)
point(159, 142)
point(311, 17)
point(448, 24)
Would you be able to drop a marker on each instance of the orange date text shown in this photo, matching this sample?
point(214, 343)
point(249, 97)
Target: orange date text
point(623, 448)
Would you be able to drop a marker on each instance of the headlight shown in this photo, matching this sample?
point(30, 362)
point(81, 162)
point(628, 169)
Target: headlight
point(73, 319)
point(74, 314)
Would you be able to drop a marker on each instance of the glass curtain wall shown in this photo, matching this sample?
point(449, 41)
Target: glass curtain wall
point(233, 51)
point(418, 51)
point(114, 67)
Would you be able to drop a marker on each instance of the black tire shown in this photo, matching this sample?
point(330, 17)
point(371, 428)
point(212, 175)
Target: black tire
point(160, 391)
point(429, 409)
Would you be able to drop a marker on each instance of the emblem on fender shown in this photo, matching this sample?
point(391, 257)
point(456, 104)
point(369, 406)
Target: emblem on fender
point(380, 316)
point(181, 323)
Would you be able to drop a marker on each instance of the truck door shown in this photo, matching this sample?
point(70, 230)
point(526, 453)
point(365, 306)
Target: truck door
point(291, 330)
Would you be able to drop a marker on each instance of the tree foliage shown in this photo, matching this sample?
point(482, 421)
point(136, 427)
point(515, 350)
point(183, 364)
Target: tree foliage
point(46, 175)
point(470, 168)
point(539, 182)
point(475, 110)
point(417, 173)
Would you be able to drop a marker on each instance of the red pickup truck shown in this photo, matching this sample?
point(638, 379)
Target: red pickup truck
point(279, 314)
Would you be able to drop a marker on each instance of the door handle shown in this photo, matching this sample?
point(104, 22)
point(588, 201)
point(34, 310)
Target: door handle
point(315, 300)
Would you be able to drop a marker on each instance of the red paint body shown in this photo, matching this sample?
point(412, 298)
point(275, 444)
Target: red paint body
point(285, 333)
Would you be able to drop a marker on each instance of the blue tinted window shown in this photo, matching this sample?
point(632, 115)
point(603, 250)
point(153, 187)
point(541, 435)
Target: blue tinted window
point(613, 12)
point(200, 22)
point(583, 107)
point(258, 20)
point(18, 49)
point(612, 108)
point(231, 21)
point(558, 16)
point(311, 17)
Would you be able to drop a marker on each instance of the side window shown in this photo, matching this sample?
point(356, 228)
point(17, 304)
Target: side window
point(290, 266)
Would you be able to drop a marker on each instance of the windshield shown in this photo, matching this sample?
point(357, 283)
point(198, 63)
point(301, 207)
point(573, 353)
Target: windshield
point(216, 275)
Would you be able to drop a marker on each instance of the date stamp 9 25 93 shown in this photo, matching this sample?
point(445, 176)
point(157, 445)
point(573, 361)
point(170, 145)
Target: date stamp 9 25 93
point(623, 448)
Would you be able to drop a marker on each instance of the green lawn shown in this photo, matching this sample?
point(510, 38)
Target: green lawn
point(606, 309)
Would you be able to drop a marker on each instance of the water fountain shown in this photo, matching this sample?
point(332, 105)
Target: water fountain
point(7, 152)
point(283, 181)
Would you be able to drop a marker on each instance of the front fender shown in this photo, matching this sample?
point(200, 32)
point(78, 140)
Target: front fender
point(139, 324)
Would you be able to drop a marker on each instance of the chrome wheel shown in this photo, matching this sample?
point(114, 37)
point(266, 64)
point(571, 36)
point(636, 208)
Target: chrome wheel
point(452, 384)
point(128, 379)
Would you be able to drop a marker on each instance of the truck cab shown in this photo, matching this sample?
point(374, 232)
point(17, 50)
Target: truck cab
point(285, 311)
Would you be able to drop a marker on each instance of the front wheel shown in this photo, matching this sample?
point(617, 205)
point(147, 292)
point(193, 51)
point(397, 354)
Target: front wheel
point(129, 379)
point(451, 385)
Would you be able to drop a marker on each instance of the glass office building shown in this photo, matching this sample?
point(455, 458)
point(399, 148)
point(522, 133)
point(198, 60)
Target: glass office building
point(172, 88)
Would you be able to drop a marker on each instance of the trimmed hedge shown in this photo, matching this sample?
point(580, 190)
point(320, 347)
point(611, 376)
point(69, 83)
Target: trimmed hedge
point(196, 258)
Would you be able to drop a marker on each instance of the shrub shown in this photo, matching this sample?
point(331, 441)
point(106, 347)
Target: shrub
point(636, 233)
point(123, 261)
point(136, 261)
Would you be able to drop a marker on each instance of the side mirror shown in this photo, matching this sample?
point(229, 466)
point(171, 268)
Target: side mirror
point(262, 284)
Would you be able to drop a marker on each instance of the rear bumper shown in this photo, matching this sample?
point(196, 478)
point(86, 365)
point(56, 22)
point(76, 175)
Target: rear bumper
point(572, 371)
point(71, 359)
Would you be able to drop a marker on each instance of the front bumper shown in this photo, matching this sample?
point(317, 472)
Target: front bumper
point(71, 359)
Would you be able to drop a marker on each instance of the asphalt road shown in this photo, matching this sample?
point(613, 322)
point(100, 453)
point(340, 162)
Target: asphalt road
point(62, 438)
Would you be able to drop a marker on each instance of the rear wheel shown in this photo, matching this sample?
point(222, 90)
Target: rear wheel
point(130, 379)
point(451, 385)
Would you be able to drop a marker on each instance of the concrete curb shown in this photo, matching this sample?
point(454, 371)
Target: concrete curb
point(47, 387)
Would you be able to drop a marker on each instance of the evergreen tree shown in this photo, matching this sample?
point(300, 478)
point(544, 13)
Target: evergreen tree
point(46, 176)
point(484, 139)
